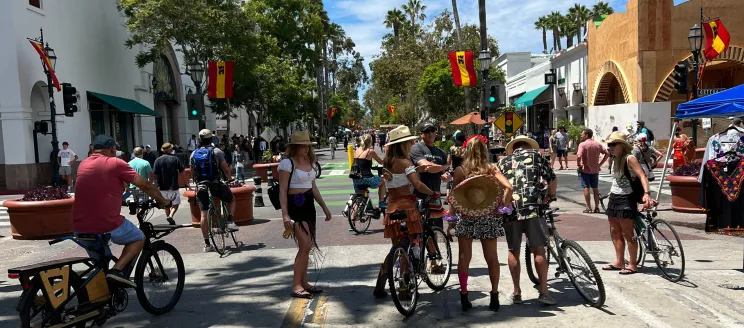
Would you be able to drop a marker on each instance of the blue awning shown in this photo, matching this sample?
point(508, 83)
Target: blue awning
point(528, 98)
point(723, 104)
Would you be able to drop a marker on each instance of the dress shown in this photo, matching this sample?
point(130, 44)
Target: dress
point(679, 156)
point(720, 195)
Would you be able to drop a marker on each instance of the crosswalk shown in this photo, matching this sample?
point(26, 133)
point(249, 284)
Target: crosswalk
point(4, 217)
point(604, 176)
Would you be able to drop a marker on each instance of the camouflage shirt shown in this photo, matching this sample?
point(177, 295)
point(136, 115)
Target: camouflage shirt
point(529, 173)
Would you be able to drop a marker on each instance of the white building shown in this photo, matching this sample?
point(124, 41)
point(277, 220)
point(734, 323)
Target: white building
point(570, 68)
point(116, 97)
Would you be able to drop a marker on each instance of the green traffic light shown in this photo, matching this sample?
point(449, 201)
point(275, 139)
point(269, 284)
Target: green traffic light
point(492, 99)
point(193, 112)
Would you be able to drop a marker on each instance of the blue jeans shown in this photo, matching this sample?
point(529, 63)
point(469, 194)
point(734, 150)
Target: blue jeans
point(240, 173)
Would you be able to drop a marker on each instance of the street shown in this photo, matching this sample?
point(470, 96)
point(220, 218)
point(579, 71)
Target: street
point(250, 287)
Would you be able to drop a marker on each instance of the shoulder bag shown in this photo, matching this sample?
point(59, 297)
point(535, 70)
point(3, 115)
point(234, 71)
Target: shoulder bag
point(274, 189)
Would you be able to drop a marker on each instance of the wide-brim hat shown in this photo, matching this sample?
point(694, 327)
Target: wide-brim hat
point(477, 196)
point(300, 138)
point(400, 134)
point(510, 146)
point(619, 138)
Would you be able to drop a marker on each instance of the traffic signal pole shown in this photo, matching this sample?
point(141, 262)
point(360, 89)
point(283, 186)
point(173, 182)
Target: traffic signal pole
point(484, 70)
point(53, 117)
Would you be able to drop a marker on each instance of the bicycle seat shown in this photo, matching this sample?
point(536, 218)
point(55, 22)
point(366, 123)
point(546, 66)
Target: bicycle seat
point(43, 266)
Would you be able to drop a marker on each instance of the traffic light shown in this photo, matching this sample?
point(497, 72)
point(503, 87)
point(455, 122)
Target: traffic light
point(680, 74)
point(493, 94)
point(70, 99)
point(192, 106)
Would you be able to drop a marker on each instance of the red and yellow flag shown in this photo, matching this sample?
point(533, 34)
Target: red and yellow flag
point(220, 80)
point(45, 58)
point(391, 109)
point(717, 39)
point(463, 68)
point(332, 112)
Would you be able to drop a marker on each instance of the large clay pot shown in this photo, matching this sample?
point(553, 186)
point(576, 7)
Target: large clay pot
point(262, 170)
point(243, 208)
point(685, 194)
point(40, 220)
point(184, 178)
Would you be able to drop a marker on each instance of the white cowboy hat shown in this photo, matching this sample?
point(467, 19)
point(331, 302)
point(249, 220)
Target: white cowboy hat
point(300, 138)
point(400, 134)
point(618, 137)
point(510, 146)
point(477, 196)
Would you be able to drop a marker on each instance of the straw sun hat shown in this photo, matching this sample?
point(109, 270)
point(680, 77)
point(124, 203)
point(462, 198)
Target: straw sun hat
point(300, 138)
point(528, 140)
point(400, 134)
point(618, 137)
point(477, 196)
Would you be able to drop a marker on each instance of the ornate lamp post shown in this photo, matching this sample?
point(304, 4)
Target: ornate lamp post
point(196, 71)
point(484, 60)
point(695, 38)
point(52, 106)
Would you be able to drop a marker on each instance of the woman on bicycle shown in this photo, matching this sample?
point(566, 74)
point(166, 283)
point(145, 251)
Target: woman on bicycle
point(622, 207)
point(486, 228)
point(298, 206)
point(402, 175)
point(363, 157)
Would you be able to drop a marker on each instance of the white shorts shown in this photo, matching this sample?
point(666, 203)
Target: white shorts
point(172, 195)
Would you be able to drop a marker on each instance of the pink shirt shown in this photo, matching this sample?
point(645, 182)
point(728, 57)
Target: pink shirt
point(590, 152)
point(100, 181)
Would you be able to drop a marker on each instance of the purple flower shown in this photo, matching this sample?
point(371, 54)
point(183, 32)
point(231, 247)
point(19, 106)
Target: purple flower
point(299, 199)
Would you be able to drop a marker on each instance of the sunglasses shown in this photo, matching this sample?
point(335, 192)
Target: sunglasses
point(611, 145)
point(429, 131)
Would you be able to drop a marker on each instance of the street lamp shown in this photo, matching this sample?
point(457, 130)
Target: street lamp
point(484, 61)
point(695, 38)
point(196, 71)
point(52, 56)
point(577, 86)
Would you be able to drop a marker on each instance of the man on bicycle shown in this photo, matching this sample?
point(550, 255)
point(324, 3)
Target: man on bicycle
point(533, 179)
point(206, 164)
point(97, 206)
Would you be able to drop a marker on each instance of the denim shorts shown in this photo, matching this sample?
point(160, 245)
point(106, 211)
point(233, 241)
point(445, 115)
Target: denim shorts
point(589, 180)
point(126, 233)
point(366, 183)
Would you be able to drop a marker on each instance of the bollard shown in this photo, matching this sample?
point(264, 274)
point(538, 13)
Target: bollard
point(258, 200)
point(350, 154)
point(270, 176)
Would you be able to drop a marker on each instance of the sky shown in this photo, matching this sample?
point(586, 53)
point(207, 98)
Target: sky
point(510, 22)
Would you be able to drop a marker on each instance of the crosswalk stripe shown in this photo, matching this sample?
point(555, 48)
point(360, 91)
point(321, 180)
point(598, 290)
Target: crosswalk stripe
point(337, 172)
point(4, 217)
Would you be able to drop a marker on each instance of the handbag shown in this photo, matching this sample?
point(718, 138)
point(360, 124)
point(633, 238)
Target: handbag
point(274, 189)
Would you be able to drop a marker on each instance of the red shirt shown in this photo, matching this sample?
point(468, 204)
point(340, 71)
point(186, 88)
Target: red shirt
point(590, 152)
point(100, 181)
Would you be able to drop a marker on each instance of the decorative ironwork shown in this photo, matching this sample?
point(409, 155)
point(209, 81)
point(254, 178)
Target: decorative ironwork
point(162, 80)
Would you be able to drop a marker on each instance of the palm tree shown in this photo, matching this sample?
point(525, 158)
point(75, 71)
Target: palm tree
point(568, 29)
point(580, 14)
point(415, 10)
point(602, 8)
point(554, 23)
point(542, 24)
point(394, 19)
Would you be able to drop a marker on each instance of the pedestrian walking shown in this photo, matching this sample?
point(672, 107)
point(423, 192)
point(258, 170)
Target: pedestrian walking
point(144, 170)
point(346, 142)
point(149, 156)
point(298, 194)
point(65, 158)
point(623, 204)
point(332, 145)
point(238, 158)
point(166, 173)
point(561, 147)
point(479, 185)
point(192, 143)
point(588, 165)
point(534, 185)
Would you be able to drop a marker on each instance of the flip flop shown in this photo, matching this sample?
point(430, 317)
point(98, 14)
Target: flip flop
point(611, 268)
point(301, 295)
point(596, 210)
point(313, 290)
point(627, 272)
point(587, 211)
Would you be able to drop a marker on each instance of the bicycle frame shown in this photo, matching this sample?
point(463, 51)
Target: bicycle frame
point(558, 251)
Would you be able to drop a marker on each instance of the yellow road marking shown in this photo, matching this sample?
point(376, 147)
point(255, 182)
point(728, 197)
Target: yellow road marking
point(295, 314)
point(321, 311)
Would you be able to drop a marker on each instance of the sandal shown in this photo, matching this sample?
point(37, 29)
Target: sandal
point(611, 268)
point(301, 295)
point(596, 210)
point(587, 211)
point(626, 272)
point(314, 290)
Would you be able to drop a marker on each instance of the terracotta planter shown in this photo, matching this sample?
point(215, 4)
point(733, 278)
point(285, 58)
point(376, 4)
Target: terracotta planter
point(243, 208)
point(262, 170)
point(685, 194)
point(40, 220)
point(184, 178)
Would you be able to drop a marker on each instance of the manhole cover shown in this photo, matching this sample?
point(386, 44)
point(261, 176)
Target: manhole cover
point(732, 287)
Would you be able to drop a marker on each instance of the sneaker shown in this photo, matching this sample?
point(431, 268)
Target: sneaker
point(171, 221)
point(208, 248)
point(546, 299)
point(516, 299)
point(119, 277)
point(231, 226)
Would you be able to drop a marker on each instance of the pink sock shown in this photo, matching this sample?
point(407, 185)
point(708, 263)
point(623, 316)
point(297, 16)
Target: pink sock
point(463, 276)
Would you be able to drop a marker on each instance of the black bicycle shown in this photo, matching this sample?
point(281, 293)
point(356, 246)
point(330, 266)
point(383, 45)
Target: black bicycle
point(658, 238)
point(359, 209)
point(426, 256)
point(573, 260)
point(56, 296)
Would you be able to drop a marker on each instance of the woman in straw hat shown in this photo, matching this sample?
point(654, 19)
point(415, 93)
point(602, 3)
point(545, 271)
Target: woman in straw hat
point(400, 199)
point(475, 203)
point(623, 206)
point(297, 182)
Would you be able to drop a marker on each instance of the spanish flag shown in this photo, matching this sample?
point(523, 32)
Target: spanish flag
point(45, 58)
point(463, 68)
point(717, 39)
point(391, 109)
point(220, 80)
point(332, 112)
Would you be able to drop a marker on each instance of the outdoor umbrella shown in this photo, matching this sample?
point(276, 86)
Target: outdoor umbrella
point(472, 118)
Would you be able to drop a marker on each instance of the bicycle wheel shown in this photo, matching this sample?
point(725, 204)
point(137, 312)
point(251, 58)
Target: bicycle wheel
point(402, 281)
point(669, 255)
point(160, 268)
point(439, 261)
point(231, 233)
point(358, 219)
point(33, 307)
point(217, 231)
point(583, 273)
point(529, 262)
point(318, 170)
point(640, 238)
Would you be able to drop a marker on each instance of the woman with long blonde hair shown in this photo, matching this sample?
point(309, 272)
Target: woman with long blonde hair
point(486, 228)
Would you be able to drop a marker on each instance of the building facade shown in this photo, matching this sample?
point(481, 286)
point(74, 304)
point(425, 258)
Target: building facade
point(136, 106)
point(570, 67)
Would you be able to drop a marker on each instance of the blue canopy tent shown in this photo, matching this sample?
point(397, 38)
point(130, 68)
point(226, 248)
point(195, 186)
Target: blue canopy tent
point(723, 104)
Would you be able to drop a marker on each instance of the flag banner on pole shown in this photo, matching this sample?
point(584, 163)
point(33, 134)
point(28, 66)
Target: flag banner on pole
point(717, 39)
point(391, 109)
point(220, 80)
point(332, 112)
point(45, 58)
point(463, 68)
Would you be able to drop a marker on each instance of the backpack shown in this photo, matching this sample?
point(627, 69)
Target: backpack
point(649, 135)
point(203, 164)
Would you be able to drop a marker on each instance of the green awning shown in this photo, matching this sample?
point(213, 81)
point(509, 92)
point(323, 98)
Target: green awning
point(124, 104)
point(528, 97)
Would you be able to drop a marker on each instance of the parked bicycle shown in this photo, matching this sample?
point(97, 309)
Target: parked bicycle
point(56, 296)
point(653, 236)
point(409, 263)
point(359, 209)
point(217, 221)
point(572, 260)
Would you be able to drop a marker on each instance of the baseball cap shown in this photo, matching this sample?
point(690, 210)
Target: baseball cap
point(148, 146)
point(641, 137)
point(103, 142)
point(426, 126)
point(204, 134)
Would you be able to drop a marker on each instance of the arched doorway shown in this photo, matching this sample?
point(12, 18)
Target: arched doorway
point(610, 86)
point(167, 91)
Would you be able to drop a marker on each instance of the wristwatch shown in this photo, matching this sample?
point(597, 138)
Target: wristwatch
point(648, 193)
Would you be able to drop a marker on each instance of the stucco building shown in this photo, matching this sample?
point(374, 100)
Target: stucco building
point(632, 56)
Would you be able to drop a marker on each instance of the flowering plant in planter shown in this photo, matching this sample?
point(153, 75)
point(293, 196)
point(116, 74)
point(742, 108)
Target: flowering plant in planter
point(45, 193)
point(236, 184)
point(687, 170)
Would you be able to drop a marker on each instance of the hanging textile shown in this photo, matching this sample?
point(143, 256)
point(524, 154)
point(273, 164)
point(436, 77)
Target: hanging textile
point(720, 194)
point(718, 144)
